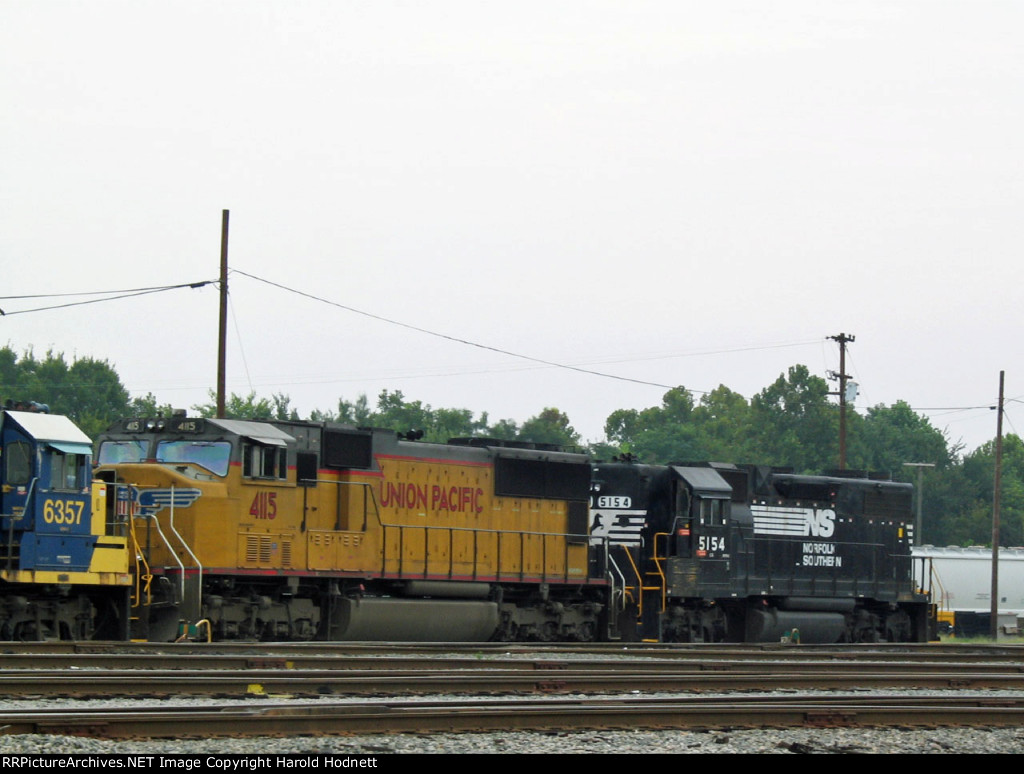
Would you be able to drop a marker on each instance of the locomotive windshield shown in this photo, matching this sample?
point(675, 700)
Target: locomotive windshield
point(113, 452)
point(214, 456)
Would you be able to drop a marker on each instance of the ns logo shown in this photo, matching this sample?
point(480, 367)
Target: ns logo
point(821, 522)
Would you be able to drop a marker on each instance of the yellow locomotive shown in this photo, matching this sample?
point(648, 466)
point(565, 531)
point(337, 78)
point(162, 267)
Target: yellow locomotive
point(303, 530)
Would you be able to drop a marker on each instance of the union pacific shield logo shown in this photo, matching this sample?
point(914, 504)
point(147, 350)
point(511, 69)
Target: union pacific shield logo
point(149, 502)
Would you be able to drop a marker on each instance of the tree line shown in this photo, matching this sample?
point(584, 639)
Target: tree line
point(790, 423)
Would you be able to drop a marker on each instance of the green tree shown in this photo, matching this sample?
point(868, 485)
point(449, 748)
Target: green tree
point(970, 523)
point(356, 413)
point(794, 424)
point(88, 391)
point(723, 422)
point(148, 406)
point(94, 396)
point(659, 434)
point(549, 426)
point(277, 406)
point(896, 434)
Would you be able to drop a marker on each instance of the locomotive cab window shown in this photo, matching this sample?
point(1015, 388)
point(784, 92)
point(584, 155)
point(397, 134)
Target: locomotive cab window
point(264, 461)
point(19, 463)
point(67, 471)
point(713, 512)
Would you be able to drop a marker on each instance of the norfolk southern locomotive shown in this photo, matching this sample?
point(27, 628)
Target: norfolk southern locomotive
point(716, 552)
point(303, 530)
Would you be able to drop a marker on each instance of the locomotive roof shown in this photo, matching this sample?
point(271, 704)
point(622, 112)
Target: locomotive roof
point(52, 429)
point(704, 480)
point(257, 431)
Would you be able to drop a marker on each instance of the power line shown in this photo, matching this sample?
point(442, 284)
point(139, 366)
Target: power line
point(113, 295)
point(109, 297)
point(520, 356)
point(451, 338)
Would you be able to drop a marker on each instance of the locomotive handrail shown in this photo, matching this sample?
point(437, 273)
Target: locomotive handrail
point(12, 519)
point(664, 536)
point(151, 517)
point(199, 565)
point(367, 487)
point(611, 571)
point(639, 583)
point(140, 557)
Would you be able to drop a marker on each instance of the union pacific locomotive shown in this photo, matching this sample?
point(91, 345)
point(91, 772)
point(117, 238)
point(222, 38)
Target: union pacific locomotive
point(301, 530)
point(287, 530)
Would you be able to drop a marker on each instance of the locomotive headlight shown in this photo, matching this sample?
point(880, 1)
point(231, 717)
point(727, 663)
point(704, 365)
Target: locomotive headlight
point(151, 425)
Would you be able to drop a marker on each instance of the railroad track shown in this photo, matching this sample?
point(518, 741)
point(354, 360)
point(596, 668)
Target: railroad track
point(271, 688)
point(466, 678)
point(385, 717)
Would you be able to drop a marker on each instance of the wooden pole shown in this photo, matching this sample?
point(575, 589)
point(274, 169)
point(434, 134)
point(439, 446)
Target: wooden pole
point(223, 333)
point(994, 609)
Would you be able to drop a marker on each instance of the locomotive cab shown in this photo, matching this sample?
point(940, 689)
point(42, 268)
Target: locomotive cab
point(700, 528)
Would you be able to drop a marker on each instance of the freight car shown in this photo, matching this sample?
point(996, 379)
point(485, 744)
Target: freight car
point(961, 579)
point(64, 568)
point(301, 530)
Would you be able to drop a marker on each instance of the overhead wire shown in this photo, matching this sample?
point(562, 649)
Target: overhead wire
point(448, 337)
point(110, 295)
point(114, 295)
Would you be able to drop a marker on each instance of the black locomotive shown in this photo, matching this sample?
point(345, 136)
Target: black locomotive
point(718, 552)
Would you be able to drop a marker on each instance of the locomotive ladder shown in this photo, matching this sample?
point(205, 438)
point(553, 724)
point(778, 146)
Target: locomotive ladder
point(647, 587)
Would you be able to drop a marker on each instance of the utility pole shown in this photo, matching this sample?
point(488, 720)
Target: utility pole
point(919, 527)
point(842, 376)
point(994, 607)
point(222, 341)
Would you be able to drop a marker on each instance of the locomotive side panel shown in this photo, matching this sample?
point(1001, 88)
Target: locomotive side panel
point(831, 536)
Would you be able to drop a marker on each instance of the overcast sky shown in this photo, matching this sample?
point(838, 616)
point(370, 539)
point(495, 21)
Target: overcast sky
point(672, 193)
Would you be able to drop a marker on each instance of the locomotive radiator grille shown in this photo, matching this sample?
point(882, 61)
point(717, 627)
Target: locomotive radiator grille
point(264, 550)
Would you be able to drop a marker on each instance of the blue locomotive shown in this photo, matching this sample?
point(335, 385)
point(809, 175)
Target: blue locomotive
point(64, 556)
